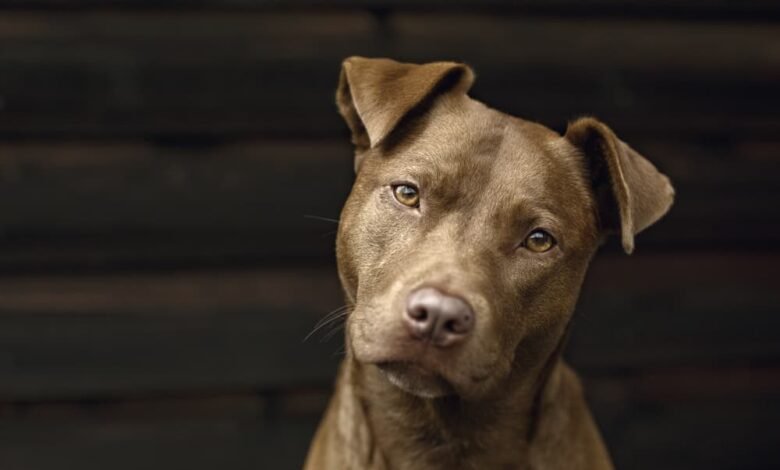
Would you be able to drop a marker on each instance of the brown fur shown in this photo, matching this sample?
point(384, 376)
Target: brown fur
point(503, 399)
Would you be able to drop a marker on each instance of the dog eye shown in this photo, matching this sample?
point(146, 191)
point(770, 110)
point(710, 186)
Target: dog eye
point(539, 241)
point(407, 195)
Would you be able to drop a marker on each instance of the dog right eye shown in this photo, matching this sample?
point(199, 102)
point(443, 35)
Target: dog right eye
point(539, 241)
point(407, 195)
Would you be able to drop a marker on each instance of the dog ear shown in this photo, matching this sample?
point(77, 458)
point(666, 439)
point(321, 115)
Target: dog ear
point(631, 193)
point(373, 95)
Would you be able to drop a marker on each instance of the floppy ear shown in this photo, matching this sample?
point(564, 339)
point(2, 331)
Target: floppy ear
point(631, 193)
point(373, 95)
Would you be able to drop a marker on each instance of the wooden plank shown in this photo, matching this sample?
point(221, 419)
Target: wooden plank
point(708, 425)
point(237, 404)
point(101, 336)
point(682, 384)
point(98, 205)
point(710, 434)
point(94, 336)
point(110, 73)
point(243, 443)
point(173, 294)
point(603, 67)
point(676, 308)
point(708, 9)
point(131, 186)
point(130, 204)
point(699, 421)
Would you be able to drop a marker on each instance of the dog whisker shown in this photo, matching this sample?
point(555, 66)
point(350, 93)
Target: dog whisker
point(331, 314)
point(317, 217)
point(323, 322)
point(342, 351)
point(335, 328)
point(329, 319)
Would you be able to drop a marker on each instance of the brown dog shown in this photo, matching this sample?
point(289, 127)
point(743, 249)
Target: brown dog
point(462, 249)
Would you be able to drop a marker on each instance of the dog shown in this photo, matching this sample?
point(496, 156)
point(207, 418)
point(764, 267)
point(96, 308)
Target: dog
point(461, 249)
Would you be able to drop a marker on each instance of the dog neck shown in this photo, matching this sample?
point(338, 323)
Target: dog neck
point(406, 431)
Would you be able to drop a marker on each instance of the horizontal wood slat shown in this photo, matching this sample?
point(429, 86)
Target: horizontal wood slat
point(647, 419)
point(690, 9)
point(725, 433)
point(136, 204)
point(159, 268)
point(127, 204)
point(190, 443)
point(109, 73)
point(133, 333)
point(155, 333)
point(674, 309)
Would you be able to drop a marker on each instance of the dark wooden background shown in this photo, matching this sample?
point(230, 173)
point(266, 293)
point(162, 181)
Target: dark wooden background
point(158, 276)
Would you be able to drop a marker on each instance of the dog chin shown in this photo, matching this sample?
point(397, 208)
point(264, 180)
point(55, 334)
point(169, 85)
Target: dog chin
point(415, 380)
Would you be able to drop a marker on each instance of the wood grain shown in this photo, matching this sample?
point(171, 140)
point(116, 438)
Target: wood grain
point(66, 336)
point(119, 204)
point(149, 73)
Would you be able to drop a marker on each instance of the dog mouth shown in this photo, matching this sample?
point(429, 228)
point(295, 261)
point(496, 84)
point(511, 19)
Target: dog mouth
point(415, 379)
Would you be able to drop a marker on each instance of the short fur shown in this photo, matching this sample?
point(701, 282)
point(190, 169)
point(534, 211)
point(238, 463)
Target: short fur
point(504, 398)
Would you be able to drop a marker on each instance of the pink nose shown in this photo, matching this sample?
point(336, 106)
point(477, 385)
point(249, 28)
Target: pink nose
point(434, 316)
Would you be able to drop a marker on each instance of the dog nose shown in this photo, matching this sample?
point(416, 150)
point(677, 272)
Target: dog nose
point(438, 317)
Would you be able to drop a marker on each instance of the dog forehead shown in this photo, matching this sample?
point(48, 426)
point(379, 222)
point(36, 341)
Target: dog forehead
point(463, 143)
point(536, 161)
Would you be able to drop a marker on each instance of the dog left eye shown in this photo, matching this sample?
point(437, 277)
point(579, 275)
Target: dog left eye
point(407, 195)
point(539, 241)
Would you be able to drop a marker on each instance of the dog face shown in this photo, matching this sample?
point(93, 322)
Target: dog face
point(467, 234)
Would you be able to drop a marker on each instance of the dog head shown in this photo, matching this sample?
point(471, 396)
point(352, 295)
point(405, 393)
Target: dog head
point(467, 234)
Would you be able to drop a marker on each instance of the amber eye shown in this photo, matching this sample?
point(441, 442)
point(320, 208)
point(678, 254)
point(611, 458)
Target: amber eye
point(539, 241)
point(407, 195)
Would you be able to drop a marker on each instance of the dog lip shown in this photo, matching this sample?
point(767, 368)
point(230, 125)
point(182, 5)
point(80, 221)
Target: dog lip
point(409, 366)
point(416, 379)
